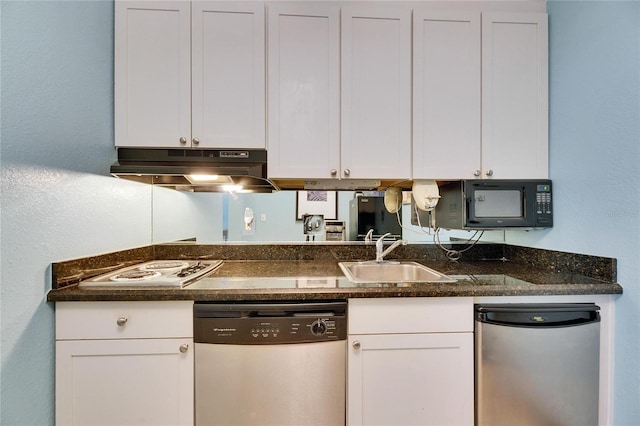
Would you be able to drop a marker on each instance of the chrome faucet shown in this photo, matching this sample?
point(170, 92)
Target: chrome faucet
point(369, 237)
point(381, 254)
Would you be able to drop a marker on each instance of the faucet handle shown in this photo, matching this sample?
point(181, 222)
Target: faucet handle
point(368, 237)
point(384, 236)
point(380, 241)
point(380, 253)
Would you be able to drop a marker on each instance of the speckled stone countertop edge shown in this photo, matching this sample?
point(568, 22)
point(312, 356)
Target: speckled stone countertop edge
point(309, 294)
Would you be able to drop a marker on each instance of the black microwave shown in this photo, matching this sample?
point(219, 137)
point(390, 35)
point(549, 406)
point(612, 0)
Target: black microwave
point(495, 204)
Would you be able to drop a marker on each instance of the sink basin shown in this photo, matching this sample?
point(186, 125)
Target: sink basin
point(391, 272)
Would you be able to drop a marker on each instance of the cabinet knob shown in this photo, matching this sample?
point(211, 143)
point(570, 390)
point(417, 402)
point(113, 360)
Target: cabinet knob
point(347, 172)
point(183, 140)
point(121, 321)
point(334, 172)
point(356, 345)
point(196, 141)
point(184, 348)
point(476, 173)
point(489, 173)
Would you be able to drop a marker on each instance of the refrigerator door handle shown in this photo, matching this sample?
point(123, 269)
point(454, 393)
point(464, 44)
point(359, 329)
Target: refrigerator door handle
point(547, 316)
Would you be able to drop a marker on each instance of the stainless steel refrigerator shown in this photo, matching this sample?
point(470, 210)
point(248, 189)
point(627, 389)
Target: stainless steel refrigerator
point(537, 364)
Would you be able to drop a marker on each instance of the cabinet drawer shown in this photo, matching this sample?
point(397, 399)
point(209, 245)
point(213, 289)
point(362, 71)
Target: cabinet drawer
point(123, 320)
point(411, 315)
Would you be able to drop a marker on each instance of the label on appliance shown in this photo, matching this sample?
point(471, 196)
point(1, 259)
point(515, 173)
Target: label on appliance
point(234, 154)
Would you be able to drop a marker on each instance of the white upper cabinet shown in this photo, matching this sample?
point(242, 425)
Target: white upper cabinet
point(304, 90)
point(189, 74)
point(376, 92)
point(152, 73)
point(228, 105)
point(515, 116)
point(480, 88)
point(339, 91)
point(356, 90)
point(446, 94)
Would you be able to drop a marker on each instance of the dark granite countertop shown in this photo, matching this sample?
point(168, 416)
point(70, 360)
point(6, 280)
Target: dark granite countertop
point(320, 278)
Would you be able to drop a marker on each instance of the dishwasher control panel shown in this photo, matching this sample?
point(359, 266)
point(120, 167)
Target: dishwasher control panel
point(269, 324)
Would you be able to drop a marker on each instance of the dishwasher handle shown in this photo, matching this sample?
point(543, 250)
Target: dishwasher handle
point(538, 315)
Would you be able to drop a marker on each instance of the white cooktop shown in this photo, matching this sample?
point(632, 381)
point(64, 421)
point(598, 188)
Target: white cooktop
point(157, 273)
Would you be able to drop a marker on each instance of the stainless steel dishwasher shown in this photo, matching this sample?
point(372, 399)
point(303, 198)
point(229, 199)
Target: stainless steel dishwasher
point(270, 363)
point(537, 364)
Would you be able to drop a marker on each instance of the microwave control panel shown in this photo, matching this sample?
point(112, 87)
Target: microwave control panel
point(543, 205)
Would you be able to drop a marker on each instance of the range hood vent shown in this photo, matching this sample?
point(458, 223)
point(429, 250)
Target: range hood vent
point(194, 170)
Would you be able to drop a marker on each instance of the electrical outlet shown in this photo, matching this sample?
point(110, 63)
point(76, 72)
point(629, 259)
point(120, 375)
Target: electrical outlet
point(263, 217)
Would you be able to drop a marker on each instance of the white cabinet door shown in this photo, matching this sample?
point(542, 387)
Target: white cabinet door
point(124, 382)
point(411, 379)
point(515, 95)
point(376, 92)
point(303, 85)
point(152, 73)
point(446, 94)
point(228, 69)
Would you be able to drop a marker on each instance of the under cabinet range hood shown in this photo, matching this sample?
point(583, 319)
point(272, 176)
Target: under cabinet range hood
point(196, 170)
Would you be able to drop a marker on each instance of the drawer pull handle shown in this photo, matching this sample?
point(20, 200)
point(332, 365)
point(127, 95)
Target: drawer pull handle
point(356, 345)
point(121, 321)
point(184, 348)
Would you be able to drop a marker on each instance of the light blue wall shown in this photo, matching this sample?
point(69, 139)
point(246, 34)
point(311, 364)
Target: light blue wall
point(280, 210)
point(58, 201)
point(595, 160)
point(181, 215)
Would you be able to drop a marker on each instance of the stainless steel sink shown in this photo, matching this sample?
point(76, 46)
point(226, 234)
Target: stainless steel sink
point(391, 272)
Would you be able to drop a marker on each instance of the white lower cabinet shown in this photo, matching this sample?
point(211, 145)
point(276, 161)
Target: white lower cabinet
point(124, 363)
point(410, 362)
